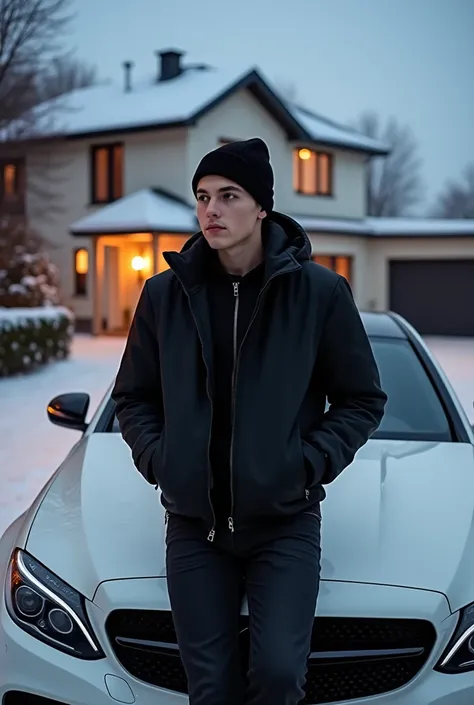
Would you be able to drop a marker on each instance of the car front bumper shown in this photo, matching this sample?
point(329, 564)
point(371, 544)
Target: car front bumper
point(29, 666)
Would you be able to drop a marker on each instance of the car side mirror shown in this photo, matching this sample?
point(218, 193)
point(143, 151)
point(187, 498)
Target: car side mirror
point(69, 410)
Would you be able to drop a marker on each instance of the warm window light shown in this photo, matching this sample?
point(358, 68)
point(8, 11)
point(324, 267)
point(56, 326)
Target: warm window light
point(9, 177)
point(304, 154)
point(82, 261)
point(138, 263)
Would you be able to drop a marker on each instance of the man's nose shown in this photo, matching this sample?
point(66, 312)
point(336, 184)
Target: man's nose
point(212, 209)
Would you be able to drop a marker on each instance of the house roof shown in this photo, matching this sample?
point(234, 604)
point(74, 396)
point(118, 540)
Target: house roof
point(328, 132)
point(157, 210)
point(388, 227)
point(151, 104)
point(148, 210)
point(421, 227)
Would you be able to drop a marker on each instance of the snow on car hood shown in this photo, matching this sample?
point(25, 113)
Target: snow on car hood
point(402, 514)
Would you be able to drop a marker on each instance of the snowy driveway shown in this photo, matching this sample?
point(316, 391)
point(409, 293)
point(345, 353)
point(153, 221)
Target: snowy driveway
point(31, 447)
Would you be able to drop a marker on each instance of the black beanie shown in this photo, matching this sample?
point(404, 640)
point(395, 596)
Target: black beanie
point(247, 163)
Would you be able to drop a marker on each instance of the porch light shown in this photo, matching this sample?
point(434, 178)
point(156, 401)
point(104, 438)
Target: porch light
point(82, 261)
point(304, 154)
point(138, 263)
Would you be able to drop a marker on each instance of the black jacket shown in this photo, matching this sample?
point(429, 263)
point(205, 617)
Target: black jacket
point(305, 343)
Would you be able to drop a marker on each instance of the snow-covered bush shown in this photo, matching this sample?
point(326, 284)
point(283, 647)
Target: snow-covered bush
point(33, 336)
point(27, 277)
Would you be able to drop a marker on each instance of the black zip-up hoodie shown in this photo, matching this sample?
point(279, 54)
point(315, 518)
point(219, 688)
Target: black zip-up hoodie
point(305, 342)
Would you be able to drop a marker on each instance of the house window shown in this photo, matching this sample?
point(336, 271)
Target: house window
point(312, 172)
point(81, 269)
point(107, 172)
point(338, 263)
point(12, 193)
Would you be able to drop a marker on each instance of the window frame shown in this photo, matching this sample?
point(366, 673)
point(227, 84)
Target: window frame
point(298, 174)
point(111, 148)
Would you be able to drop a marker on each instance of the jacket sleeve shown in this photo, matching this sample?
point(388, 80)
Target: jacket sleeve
point(137, 391)
point(350, 373)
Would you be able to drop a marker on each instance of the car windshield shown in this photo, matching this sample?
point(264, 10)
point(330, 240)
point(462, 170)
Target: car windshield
point(414, 410)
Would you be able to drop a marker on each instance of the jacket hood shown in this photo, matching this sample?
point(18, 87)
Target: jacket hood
point(286, 245)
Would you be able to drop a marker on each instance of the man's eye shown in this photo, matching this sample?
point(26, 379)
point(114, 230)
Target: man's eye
point(202, 198)
point(229, 195)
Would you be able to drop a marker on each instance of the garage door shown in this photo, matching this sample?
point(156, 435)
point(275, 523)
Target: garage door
point(435, 296)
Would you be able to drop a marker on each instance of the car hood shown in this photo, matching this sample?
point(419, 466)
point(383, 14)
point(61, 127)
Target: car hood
point(402, 514)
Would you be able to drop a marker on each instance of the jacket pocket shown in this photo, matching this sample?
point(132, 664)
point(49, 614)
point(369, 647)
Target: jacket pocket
point(315, 464)
point(150, 463)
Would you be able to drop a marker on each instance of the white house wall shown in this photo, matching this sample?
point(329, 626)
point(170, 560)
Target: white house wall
point(68, 178)
point(156, 159)
point(242, 117)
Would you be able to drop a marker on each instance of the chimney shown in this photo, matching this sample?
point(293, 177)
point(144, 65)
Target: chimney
point(169, 64)
point(128, 65)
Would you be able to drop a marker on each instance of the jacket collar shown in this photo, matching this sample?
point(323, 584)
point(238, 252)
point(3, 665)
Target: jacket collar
point(191, 264)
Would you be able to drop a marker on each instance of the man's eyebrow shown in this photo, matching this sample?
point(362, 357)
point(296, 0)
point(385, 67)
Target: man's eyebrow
point(223, 189)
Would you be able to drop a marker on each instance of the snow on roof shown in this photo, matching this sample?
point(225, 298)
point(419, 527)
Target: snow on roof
point(328, 132)
point(421, 227)
point(389, 227)
point(109, 107)
point(332, 225)
point(148, 210)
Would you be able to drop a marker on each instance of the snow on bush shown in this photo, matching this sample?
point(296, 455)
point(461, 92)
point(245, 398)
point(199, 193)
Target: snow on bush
point(27, 277)
point(33, 336)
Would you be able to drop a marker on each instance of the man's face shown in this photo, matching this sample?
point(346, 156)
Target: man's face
point(227, 214)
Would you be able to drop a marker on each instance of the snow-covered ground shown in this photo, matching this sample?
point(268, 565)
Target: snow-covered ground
point(31, 447)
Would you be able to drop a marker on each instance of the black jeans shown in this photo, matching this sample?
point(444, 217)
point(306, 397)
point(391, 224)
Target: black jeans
point(277, 565)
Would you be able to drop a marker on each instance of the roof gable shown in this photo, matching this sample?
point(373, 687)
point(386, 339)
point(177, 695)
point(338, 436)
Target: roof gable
point(108, 109)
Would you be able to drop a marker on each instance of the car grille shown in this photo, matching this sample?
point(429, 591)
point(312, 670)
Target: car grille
point(350, 658)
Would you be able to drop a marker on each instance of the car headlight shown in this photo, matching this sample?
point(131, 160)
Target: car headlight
point(458, 656)
point(47, 608)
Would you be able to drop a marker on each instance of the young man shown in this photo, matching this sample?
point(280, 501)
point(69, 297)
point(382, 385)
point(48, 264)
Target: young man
point(221, 395)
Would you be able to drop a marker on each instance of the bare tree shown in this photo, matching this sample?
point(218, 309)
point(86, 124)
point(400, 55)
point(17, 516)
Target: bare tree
point(34, 68)
point(64, 75)
point(29, 39)
point(457, 198)
point(394, 183)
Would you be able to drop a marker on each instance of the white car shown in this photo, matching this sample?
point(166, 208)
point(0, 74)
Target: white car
point(85, 617)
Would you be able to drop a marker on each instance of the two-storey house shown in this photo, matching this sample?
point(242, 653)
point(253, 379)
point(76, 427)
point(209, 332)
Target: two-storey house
point(121, 162)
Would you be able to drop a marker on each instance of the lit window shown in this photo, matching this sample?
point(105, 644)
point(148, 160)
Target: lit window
point(81, 269)
point(107, 173)
point(338, 263)
point(312, 172)
point(12, 195)
point(10, 180)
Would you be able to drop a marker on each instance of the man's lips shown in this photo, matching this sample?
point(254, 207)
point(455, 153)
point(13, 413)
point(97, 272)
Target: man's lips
point(214, 228)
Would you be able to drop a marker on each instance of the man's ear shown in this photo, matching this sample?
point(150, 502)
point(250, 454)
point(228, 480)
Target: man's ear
point(262, 214)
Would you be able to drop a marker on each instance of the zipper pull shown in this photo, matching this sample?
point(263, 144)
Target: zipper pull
point(236, 288)
point(231, 525)
point(306, 494)
point(211, 535)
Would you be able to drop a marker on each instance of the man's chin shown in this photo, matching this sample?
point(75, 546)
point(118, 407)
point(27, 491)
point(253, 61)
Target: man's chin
point(217, 242)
